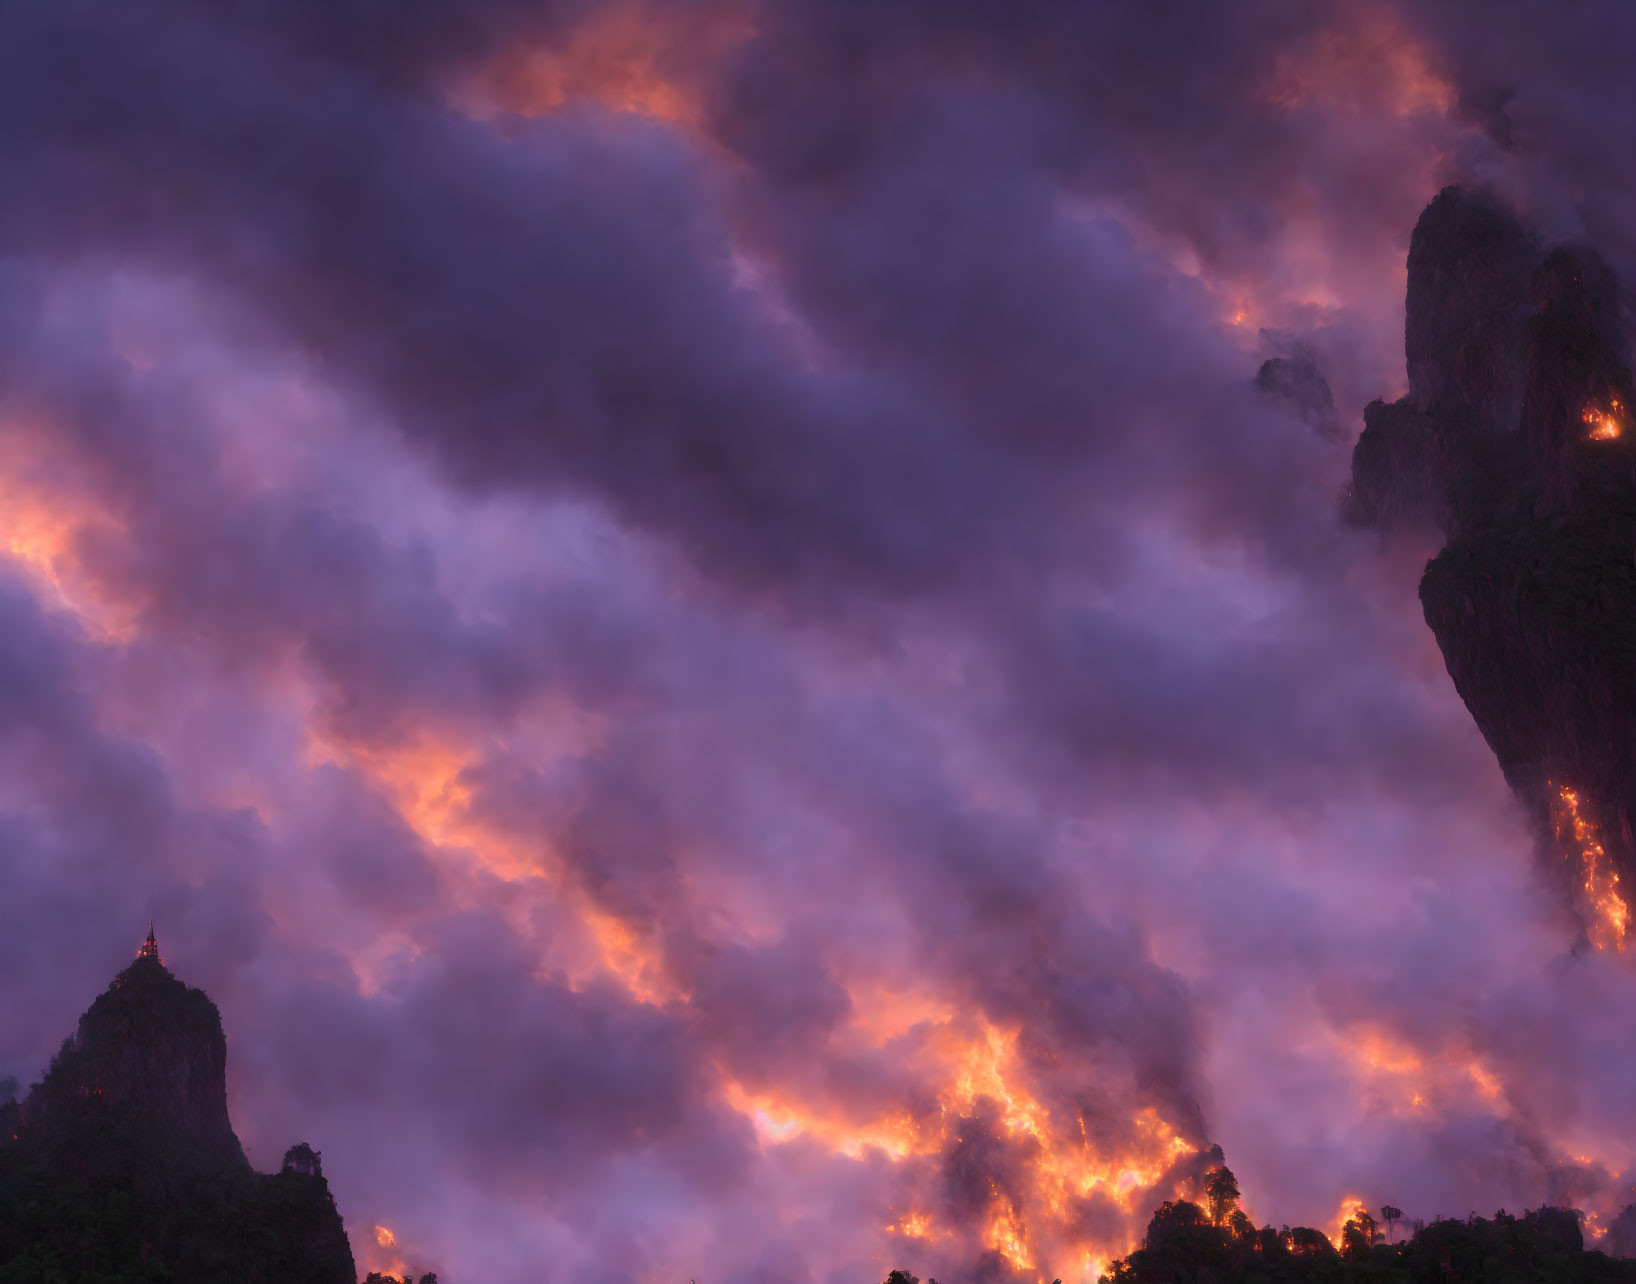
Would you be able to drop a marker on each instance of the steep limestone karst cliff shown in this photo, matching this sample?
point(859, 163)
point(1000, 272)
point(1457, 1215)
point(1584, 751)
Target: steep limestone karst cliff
point(122, 1163)
point(150, 1051)
point(1446, 452)
point(1518, 442)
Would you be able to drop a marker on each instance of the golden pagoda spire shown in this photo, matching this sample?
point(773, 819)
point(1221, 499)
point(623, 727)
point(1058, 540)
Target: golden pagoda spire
point(150, 947)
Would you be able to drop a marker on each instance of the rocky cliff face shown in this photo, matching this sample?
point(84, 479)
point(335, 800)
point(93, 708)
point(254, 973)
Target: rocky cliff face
point(122, 1162)
point(1517, 439)
point(1445, 452)
point(150, 1049)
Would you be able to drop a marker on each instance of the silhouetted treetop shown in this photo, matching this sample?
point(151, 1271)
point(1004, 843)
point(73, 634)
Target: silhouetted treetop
point(1183, 1246)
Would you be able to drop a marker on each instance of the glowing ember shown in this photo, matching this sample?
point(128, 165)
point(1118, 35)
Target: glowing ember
point(1604, 903)
point(385, 1238)
point(1606, 424)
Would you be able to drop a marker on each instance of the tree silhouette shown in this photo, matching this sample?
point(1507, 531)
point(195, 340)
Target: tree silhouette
point(1221, 1194)
point(1390, 1216)
point(1353, 1243)
point(1175, 1221)
point(1541, 1247)
point(1304, 1241)
point(302, 1158)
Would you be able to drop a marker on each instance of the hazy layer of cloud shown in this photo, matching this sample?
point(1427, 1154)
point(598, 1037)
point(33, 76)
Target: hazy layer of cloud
point(719, 664)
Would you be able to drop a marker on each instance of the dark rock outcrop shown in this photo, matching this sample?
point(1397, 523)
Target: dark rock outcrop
point(1444, 453)
point(150, 1049)
point(122, 1163)
point(1295, 382)
point(1517, 439)
point(1470, 262)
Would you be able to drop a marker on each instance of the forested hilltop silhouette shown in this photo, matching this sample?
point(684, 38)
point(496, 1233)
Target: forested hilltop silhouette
point(1185, 1243)
point(1216, 1243)
point(121, 1166)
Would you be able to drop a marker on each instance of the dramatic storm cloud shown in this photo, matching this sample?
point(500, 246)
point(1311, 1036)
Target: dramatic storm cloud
point(693, 618)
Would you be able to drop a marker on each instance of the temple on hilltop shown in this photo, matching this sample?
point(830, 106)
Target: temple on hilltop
point(150, 947)
point(124, 1155)
point(302, 1158)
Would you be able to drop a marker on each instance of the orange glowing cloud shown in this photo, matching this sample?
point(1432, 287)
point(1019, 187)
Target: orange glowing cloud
point(881, 1013)
point(426, 780)
point(974, 1068)
point(383, 1254)
point(422, 777)
point(1394, 1076)
point(42, 527)
point(1364, 63)
point(777, 1122)
point(653, 62)
point(912, 1225)
point(635, 962)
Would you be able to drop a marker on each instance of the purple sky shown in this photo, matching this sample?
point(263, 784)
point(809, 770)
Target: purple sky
point(689, 616)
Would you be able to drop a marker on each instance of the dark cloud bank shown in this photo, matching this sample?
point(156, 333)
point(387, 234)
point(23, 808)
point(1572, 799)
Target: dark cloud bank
point(694, 620)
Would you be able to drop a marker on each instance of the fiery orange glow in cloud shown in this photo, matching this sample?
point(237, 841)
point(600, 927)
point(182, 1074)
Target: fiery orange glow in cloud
point(48, 519)
point(1362, 65)
point(424, 777)
point(968, 1067)
point(912, 1225)
point(648, 62)
point(880, 1012)
point(384, 1255)
point(40, 527)
point(637, 964)
point(1364, 62)
point(977, 1071)
point(866, 735)
point(1395, 1076)
point(1604, 905)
